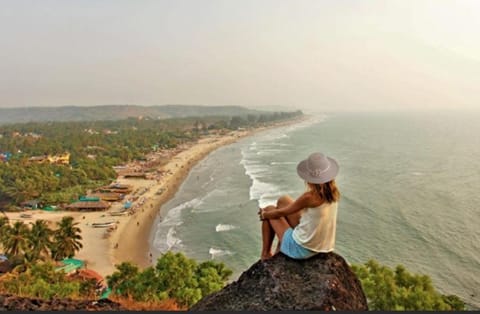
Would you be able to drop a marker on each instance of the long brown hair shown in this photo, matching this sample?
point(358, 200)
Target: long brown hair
point(326, 191)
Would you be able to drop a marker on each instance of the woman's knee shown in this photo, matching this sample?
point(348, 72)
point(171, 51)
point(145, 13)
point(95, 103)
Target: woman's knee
point(284, 200)
point(269, 208)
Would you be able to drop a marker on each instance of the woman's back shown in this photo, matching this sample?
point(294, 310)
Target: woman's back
point(317, 226)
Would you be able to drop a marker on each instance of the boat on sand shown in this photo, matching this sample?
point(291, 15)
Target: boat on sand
point(103, 224)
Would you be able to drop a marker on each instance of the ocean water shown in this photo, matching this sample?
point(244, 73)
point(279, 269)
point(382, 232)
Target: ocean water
point(410, 185)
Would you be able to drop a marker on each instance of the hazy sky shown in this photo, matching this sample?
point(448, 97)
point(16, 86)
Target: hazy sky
point(334, 54)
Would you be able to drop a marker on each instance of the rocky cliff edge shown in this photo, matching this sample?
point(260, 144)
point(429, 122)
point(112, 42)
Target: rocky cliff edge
point(323, 282)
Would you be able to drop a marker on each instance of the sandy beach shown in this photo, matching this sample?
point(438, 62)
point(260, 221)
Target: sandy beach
point(133, 232)
point(129, 241)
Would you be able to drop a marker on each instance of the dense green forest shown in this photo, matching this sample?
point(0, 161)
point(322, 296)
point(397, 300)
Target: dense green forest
point(173, 277)
point(95, 147)
point(32, 250)
point(399, 290)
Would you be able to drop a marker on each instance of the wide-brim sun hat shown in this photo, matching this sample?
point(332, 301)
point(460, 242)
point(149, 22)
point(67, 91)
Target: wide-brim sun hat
point(318, 168)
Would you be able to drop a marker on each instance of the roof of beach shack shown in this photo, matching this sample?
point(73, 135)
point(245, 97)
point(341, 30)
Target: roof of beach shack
point(109, 196)
point(69, 265)
point(90, 274)
point(89, 205)
point(120, 186)
point(30, 203)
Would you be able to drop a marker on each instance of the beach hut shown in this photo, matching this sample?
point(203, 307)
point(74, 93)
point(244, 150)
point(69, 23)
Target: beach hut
point(70, 265)
point(116, 188)
point(119, 186)
point(135, 175)
point(50, 208)
point(109, 196)
point(89, 198)
point(31, 204)
point(90, 206)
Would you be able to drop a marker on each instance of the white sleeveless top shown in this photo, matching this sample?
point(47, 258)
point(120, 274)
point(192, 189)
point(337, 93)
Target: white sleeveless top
point(316, 229)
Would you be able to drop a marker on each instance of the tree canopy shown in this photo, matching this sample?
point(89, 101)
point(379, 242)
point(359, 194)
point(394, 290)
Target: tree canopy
point(399, 290)
point(173, 277)
point(29, 243)
point(94, 148)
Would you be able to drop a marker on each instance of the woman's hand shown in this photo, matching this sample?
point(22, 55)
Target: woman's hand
point(260, 214)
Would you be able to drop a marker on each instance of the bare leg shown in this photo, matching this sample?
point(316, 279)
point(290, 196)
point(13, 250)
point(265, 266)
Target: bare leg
point(284, 200)
point(279, 244)
point(268, 234)
point(292, 219)
point(279, 225)
point(267, 240)
point(272, 227)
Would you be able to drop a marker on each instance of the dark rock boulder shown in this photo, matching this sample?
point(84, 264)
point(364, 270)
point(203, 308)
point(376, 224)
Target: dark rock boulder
point(16, 303)
point(323, 282)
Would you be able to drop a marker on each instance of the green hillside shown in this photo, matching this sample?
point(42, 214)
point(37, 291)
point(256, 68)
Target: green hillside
point(115, 112)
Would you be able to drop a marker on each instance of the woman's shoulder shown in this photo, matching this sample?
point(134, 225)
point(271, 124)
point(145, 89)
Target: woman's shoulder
point(311, 199)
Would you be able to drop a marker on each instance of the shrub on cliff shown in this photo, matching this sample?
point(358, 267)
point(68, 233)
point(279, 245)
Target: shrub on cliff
point(395, 290)
point(42, 281)
point(173, 277)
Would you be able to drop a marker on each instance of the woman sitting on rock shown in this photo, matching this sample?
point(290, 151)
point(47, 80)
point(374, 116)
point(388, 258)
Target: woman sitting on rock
point(305, 226)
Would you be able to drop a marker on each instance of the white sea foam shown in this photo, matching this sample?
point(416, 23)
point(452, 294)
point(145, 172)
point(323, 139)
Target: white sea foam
point(222, 227)
point(283, 163)
point(269, 152)
point(262, 189)
point(259, 188)
point(171, 240)
point(270, 198)
point(266, 201)
point(259, 174)
point(256, 170)
point(194, 203)
point(165, 237)
point(272, 136)
point(218, 252)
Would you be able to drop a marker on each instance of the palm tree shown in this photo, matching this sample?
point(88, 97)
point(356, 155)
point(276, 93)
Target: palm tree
point(66, 239)
point(4, 225)
point(16, 239)
point(40, 240)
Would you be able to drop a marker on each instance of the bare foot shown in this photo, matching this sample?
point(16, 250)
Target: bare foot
point(266, 256)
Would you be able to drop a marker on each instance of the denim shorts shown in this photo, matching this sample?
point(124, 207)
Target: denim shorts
point(292, 249)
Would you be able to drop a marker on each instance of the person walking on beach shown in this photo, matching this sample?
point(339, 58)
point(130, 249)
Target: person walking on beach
point(305, 226)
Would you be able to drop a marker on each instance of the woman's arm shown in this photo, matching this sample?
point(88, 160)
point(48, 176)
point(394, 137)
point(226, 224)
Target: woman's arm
point(300, 203)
